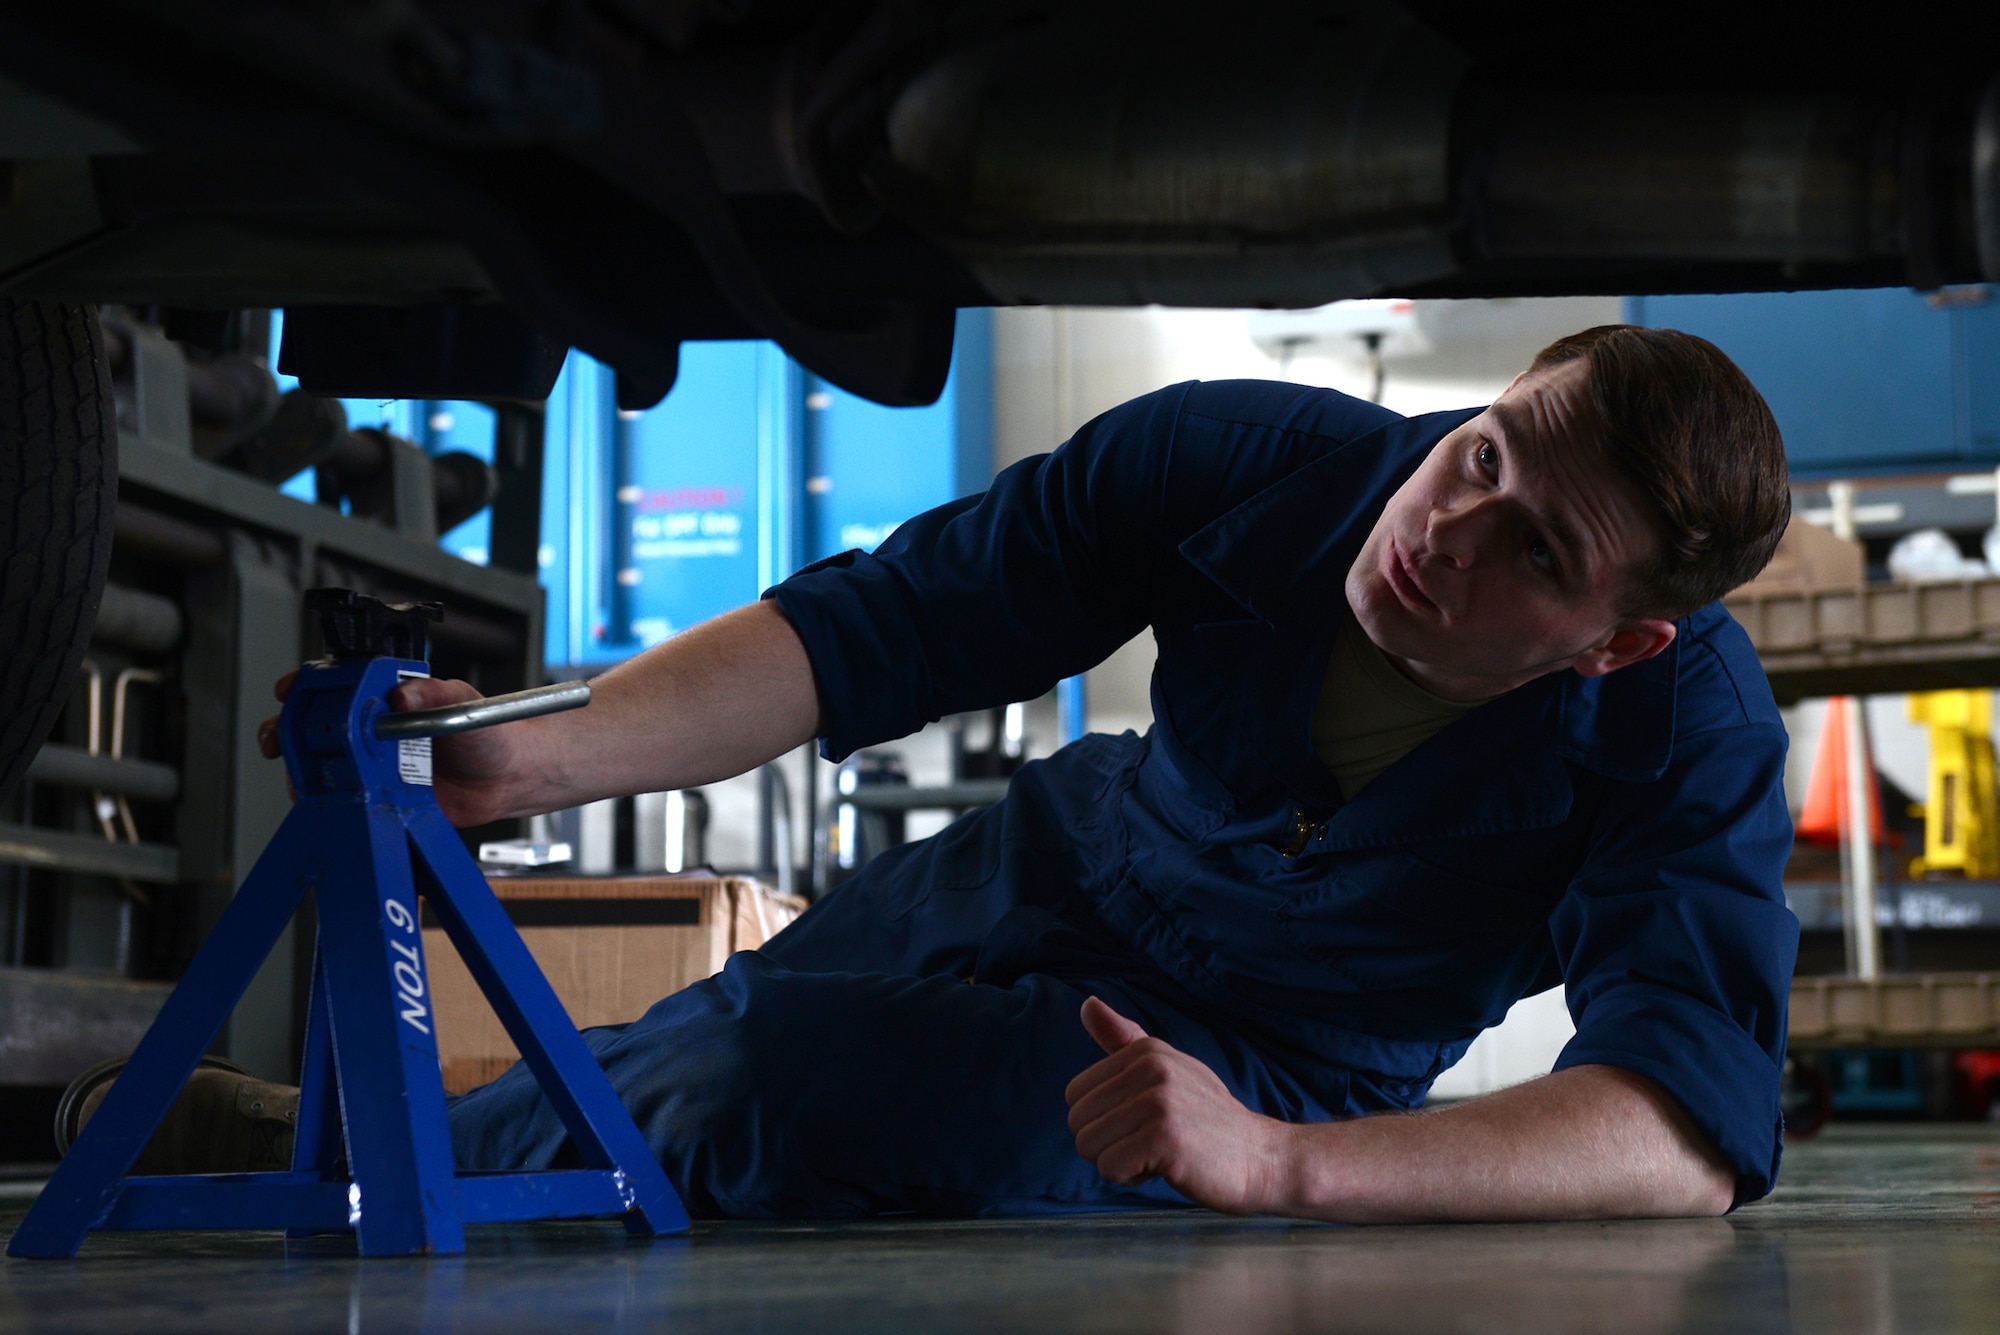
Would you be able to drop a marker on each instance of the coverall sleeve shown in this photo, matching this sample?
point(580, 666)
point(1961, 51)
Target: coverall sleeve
point(1677, 948)
point(996, 597)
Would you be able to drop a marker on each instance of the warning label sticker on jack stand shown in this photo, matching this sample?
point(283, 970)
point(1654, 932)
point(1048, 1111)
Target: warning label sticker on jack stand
point(413, 754)
point(413, 760)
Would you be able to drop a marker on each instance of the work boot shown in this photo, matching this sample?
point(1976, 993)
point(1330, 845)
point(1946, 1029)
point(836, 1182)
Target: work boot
point(224, 1120)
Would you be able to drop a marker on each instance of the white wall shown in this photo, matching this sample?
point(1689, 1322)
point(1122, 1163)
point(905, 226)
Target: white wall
point(1521, 1047)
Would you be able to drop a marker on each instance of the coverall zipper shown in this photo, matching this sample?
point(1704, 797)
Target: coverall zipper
point(1303, 829)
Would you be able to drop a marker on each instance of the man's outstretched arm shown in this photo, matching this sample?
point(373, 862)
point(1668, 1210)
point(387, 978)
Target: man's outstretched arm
point(1590, 1142)
point(708, 704)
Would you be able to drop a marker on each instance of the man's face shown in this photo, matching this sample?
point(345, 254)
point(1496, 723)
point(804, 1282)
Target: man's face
point(1505, 555)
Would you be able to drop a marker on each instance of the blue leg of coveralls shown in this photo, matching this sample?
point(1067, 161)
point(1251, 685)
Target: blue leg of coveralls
point(851, 1068)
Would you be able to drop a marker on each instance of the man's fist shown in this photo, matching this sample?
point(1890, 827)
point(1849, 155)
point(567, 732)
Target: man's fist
point(1148, 1110)
point(469, 772)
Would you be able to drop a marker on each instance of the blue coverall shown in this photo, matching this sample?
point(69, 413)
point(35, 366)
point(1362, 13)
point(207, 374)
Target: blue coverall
point(904, 1045)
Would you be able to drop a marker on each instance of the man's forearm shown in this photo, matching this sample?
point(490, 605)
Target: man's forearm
point(708, 704)
point(1588, 1142)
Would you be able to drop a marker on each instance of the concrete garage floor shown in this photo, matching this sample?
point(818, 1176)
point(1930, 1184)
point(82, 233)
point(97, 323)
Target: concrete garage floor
point(1875, 1229)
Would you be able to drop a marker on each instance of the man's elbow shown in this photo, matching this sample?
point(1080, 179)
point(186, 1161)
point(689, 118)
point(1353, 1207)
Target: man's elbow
point(1677, 1181)
point(1710, 1192)
point(1696, 1181)
point(1686, 1174)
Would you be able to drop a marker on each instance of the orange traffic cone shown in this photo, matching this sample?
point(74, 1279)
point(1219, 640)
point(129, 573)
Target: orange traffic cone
point(1823, 818)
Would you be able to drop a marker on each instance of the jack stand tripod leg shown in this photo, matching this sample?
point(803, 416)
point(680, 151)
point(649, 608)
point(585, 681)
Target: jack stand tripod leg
point(316, 1141)
point(384, 1045)
point(570, 1077)
point(87, 1182)
point(317, 1145)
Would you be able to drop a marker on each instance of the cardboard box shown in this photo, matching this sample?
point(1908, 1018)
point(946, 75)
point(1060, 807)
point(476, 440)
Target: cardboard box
point(610, 945)
point(1808, 558)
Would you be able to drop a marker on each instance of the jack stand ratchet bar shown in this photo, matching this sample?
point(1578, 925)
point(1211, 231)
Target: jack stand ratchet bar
point(484, 713)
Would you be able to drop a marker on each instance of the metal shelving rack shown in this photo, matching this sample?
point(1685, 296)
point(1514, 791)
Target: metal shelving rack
point(1876, 638)
point(1870, 639)
point(205, 612)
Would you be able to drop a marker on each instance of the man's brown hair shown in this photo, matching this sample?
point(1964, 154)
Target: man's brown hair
point(1679, 419)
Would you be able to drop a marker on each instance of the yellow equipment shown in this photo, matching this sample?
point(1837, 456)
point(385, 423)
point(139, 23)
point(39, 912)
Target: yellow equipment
point(1961, 819)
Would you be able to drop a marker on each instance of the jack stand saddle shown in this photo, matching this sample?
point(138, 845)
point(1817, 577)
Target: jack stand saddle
point(366, 837)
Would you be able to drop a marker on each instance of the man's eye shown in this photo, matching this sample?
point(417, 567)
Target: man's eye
point(1489, 459)
point(1539, 553)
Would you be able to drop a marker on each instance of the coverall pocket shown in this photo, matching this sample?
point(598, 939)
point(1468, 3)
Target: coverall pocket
point(962, 856)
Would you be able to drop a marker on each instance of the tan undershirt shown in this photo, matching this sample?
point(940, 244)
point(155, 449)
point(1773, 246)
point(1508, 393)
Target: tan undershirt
point(1369, 715)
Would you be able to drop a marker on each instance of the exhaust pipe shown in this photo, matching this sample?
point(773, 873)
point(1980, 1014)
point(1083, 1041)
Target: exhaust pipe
point(1294, 157)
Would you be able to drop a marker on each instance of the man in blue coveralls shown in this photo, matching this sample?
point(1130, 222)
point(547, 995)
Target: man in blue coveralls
point(1445, 714)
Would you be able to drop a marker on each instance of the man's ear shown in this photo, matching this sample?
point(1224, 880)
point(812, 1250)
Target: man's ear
point(1632, 642)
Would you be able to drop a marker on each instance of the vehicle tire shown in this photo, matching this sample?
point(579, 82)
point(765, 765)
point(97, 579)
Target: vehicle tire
point(58, 495)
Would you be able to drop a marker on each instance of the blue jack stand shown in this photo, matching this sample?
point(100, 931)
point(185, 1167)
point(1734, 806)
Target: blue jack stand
point(366, 837)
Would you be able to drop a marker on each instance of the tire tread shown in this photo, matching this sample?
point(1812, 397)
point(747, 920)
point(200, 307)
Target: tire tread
point(58, 498)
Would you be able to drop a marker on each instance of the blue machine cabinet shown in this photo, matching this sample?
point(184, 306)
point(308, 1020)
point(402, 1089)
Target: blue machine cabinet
point(655, 521)
point(1874, 381)
point(366, 838)
point(869, 468)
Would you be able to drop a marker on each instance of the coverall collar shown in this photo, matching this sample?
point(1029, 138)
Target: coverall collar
point(1283, 556)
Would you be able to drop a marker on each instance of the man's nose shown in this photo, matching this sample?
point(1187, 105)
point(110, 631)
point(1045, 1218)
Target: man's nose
point(1458, 532)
